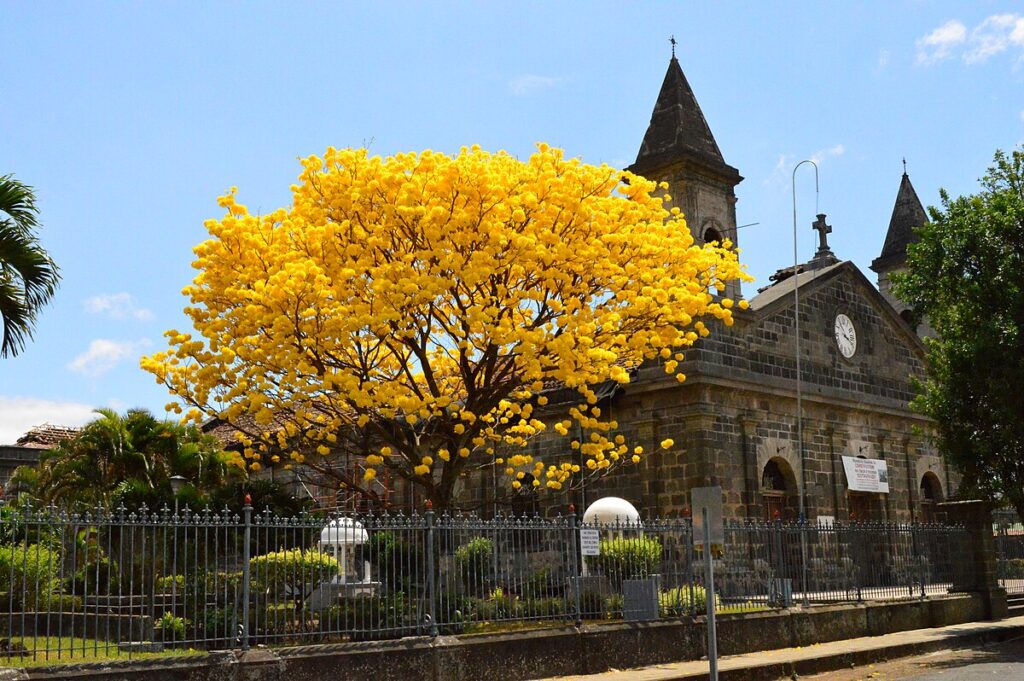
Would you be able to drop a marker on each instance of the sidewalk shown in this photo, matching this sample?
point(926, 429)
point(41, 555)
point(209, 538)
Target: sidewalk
point(771, 665)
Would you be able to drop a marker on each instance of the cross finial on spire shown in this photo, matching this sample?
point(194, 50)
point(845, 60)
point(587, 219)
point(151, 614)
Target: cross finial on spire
point(824, 256)
point(904, 165)
point(672, 39)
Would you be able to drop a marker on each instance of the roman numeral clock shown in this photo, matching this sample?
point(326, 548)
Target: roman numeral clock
point(846, 336)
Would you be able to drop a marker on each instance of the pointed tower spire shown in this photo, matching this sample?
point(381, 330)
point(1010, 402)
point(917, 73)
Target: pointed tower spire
point(907, 215)
point(680, 150)
point(678, 130)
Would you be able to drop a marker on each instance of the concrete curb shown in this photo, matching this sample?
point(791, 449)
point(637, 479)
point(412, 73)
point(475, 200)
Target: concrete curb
point(773, 671)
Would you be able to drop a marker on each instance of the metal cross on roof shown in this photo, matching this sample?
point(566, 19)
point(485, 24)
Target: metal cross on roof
point(823, 230)
point(672, 39)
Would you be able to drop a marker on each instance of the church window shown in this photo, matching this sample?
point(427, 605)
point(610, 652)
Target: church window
point(931, 494)
point(712, 235)
point(777, 490)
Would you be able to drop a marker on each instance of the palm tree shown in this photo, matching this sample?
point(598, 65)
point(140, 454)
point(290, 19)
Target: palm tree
point(129, 460)
point(28, 277)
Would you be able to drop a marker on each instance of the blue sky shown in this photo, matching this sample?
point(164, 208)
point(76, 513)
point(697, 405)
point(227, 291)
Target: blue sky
point(130, 118)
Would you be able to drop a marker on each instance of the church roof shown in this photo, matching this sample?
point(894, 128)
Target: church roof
point(678, 129)
point(907, 215)
point(785, 284)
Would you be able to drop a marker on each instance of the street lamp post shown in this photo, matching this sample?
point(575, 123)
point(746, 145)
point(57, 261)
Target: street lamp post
point(799, 396)
point(177, 483)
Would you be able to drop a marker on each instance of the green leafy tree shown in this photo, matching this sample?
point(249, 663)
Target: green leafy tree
point(28, 277)
point(129, 460)
point(966, 276)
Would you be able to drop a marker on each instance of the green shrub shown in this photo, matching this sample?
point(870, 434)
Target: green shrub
point(498, 606)
point(30, 574)
point(280, 618)
point(383, 616)
point(633, 558)
point(681, 601)
point(60, 602)
point(170, 582)
point(171, 628)
point(473, 561)
point(552, 607)
point(292, 572)
point(1015, 568)
point(613, 606)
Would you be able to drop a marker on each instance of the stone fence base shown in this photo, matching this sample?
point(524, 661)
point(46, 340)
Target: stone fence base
point(542, 652)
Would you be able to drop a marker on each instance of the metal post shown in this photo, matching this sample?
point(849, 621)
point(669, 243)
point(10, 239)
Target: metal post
point(799, 396)
point(174, 568)
point(709, 597)
point(246, 550)
point(574, 538)
point(431, 572)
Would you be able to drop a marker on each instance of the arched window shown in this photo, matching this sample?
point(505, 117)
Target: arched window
point(712, 235)
point(772, 479)
point(778, 487)
point(931, 494)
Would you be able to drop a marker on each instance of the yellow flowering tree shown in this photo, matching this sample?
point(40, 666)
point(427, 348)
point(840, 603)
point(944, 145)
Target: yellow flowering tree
point(412, 310)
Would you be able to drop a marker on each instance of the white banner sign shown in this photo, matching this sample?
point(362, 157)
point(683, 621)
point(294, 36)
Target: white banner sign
point(590, 542)
point(866, 475)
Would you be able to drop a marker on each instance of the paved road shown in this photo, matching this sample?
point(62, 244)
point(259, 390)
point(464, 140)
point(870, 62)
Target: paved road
point(1004, 662)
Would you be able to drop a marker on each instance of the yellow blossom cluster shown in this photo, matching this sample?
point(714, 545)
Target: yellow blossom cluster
point(414, 309)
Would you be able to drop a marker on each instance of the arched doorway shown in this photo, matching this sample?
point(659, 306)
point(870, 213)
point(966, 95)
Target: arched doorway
point(778, 489)
point(931, 494)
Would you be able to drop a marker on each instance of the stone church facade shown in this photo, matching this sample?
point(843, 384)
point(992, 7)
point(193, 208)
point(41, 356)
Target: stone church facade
point(734, 419)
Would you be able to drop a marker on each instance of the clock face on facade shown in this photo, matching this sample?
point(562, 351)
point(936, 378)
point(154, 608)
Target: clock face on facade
point(846, 336)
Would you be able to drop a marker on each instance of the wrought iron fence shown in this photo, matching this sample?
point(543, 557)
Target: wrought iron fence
point(86, 586)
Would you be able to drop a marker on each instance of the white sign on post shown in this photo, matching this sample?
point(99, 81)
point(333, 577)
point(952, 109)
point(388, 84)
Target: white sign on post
point(590, 542)
point(711, 499)
point(866, 475)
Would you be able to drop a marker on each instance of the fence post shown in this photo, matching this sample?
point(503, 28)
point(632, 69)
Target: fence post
point(975, 565)
point(431, 572)
point(246, 549)
point(574, 573)
point(918, 559)
point(690, 559)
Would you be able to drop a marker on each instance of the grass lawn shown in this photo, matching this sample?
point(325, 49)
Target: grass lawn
point(45, 651)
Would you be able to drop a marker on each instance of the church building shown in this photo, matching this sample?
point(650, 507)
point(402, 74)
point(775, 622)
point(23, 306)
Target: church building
point(860, 452)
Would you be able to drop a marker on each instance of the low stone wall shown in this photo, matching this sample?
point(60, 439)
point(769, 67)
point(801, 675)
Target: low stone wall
point(546, 652)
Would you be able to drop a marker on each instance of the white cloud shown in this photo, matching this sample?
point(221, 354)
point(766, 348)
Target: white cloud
point(116, 306)
point(527, 84)
point(782, 173)
point(820, 155)
point(103, 355)
point(938, 44)
point(20, 414)
point(995, 34)
point(883, 59)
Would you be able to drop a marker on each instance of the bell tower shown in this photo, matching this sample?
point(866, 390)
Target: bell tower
point(907, 215)
point(679, 149)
